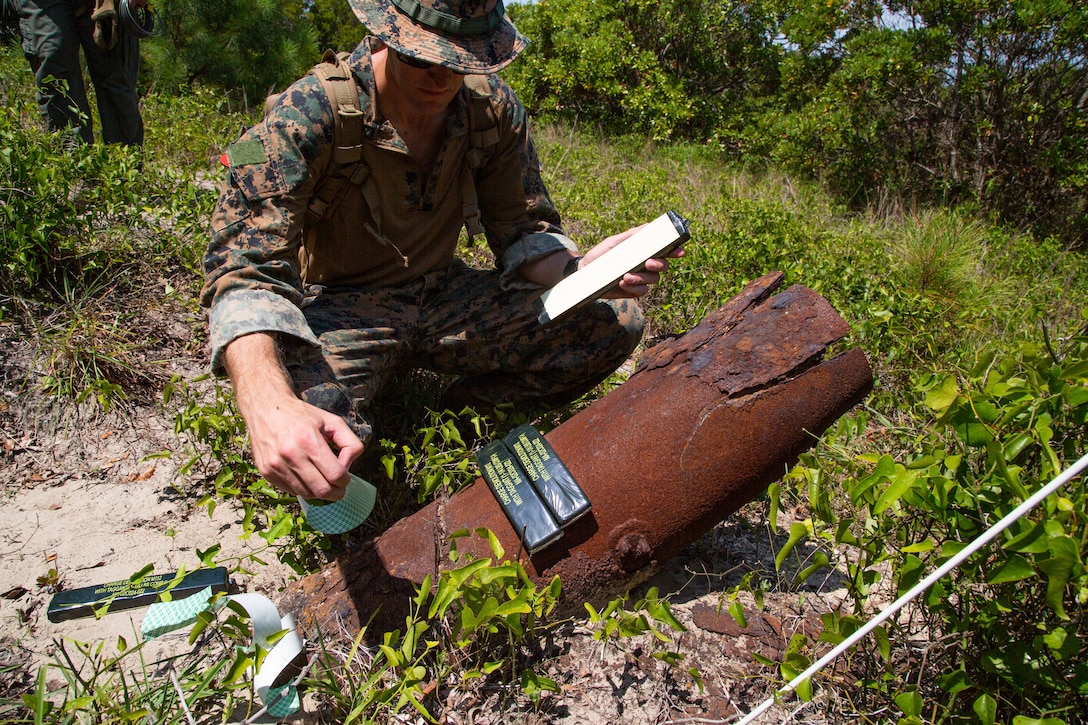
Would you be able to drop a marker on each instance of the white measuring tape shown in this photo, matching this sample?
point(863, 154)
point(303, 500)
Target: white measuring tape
point(985, 538)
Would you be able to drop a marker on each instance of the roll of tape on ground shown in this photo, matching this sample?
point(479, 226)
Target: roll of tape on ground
point(164, 617)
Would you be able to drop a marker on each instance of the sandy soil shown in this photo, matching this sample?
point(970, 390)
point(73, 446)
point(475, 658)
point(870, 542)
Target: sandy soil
point(88, 498)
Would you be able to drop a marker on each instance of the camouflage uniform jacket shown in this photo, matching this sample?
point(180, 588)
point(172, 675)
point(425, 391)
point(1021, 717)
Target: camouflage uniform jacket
point(266, 255)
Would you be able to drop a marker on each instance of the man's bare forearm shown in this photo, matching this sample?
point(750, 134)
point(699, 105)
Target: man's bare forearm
point(547, 271)
point(256, 370)
point(299, 448)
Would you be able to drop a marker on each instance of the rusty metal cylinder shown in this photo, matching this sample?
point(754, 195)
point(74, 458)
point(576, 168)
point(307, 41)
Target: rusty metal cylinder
point(707, 421)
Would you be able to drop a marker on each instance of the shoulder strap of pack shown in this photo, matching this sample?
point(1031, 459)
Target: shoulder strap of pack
point(339, 84)
point(347, 165)
point(483, 135)
point(483, 122)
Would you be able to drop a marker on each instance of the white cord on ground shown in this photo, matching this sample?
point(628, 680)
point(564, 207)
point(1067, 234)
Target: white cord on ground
point(985, 538)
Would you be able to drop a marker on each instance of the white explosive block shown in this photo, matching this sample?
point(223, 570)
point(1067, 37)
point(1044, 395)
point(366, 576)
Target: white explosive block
point(656, 239)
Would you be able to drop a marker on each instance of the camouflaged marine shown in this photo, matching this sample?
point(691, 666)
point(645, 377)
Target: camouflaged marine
point(315, 298)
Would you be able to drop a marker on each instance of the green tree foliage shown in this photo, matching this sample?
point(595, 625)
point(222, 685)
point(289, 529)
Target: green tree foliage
point(586, 66)
point(667, 69)
point(255, 46)
point(335, 23)
point(977, 102)
point(944, 100)
point(956, 101)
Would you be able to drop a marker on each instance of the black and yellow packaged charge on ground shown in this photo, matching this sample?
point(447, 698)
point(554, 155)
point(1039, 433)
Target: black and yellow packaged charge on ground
point(128, 594)
point(519, 500)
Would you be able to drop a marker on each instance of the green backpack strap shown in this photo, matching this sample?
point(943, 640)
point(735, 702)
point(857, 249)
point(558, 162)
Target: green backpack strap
point(347, 165)
point(483, 135)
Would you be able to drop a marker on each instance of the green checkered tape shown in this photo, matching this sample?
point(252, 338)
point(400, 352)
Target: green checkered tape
point(164, 617)
point(336, 517)
point(282, 701)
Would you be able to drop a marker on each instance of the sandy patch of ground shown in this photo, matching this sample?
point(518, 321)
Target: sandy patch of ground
point(88, 498)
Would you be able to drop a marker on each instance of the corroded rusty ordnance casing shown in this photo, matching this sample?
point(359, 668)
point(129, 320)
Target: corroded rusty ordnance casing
point(707, 421)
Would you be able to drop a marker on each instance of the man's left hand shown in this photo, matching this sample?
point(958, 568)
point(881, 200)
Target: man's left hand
point(548, 271)
point(637, 283)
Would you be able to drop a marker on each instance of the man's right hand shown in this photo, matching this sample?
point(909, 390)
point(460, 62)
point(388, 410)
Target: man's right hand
point(293, 441)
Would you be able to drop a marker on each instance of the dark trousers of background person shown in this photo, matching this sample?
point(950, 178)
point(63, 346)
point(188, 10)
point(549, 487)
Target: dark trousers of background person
point(53, 32)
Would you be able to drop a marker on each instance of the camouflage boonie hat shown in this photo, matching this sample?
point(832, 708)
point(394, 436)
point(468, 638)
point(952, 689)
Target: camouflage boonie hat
point(467, 36)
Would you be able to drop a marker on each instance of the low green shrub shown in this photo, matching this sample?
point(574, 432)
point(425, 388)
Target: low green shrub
point(1005, 633)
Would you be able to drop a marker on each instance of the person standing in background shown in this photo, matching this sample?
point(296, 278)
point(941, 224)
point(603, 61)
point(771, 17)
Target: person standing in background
point(53, 31)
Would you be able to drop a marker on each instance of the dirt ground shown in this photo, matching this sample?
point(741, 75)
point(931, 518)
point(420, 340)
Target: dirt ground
point(88, 497)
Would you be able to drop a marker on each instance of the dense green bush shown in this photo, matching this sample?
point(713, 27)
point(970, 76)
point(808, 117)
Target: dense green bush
point(586, 65)
point(662, 69)
point(82, 226)
point(957, 102)
point(59, 202)
point(1005, 633)
point(334, 22)
point(948, 102)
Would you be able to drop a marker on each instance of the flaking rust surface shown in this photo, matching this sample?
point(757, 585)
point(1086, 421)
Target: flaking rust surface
point(705, 423)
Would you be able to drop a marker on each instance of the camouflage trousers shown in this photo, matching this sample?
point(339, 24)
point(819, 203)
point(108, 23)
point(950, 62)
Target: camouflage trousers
point(458, 323)
point(53, 32)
